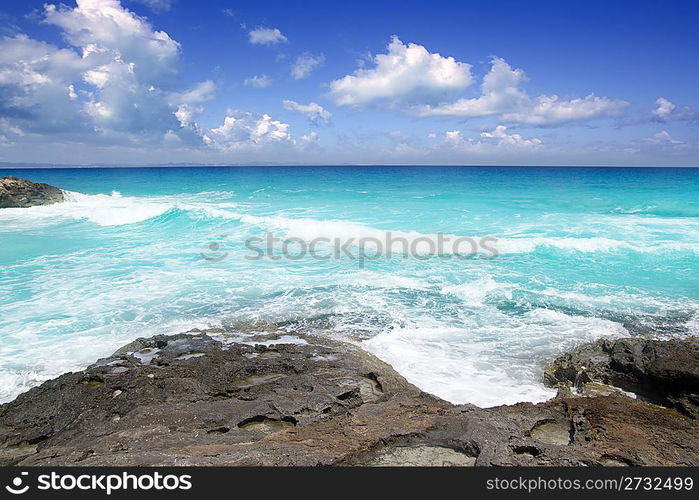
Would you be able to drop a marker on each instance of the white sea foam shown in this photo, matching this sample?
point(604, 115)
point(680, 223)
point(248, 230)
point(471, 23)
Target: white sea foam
point(498, 363)
point(474, 293)
point(693, 325)
point(13, 383)
point(102, 209)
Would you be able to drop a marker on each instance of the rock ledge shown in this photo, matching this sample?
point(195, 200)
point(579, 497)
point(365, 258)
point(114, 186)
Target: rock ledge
point(202, 399)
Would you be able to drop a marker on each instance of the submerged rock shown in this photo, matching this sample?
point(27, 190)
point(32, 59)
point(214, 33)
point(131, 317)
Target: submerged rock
point(21, 193)
point(665, 372)
point(201, 399)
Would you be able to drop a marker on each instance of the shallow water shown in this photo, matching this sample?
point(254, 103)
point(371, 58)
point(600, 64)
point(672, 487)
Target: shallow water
point(582, 253)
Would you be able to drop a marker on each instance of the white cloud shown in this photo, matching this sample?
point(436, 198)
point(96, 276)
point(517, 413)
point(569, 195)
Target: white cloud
point(663, 137)
point(668, 111)
point(421, 83)
point(664, 108)
point(664, 146)
point(127, 64)
point(504, 139)
point(502, 94)
point(310, 138)
point(496, 140)
point(305, 64)
point(186, 113)
point(266, 36)
point(313, 111)
point(405, 74)
point(105, 28)
point(243, 130)
point(201, 92)
point(189, 102)
point(35, 80)
point(308, 142)
point(115, 86)
point(550, 110)
point(258, 81)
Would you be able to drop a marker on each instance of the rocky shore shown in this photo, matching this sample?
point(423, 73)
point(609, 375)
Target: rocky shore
point(21, 193)
point(201, 399)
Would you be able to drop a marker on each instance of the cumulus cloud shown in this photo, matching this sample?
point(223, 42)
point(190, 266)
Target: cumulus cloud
point(201, 92)
point(666, 110)
point(308, 142)
point(313, 111)
point(405, 74)
point(36, 92)
point(128, 67)
point(266, 36)
point(103, 28)
point(498, 138)
point(502, 94)
point(241, 129)
point(423, 84)
point(258, 81)
point(504, 139)
point(188, 103)
point(116, 84)
point(304, 65)
point(311, 138)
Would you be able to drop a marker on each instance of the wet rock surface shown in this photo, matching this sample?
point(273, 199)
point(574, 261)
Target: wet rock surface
point(665, 372)
point(201, 399)
point(21, 193)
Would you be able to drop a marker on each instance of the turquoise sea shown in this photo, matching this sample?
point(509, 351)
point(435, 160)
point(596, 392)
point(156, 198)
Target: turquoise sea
point(582, 253)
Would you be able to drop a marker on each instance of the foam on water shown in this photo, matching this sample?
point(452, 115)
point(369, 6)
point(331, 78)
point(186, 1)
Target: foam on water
point(101, 209)
point(499, 363)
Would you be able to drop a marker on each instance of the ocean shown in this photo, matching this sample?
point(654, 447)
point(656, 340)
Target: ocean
point(576, 254)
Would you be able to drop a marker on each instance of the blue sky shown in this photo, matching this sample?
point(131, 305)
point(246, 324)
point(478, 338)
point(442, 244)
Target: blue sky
point(158, 81)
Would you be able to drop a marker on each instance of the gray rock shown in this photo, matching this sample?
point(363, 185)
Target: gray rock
point(200, 399)
point(21, 193)
point(663, 372)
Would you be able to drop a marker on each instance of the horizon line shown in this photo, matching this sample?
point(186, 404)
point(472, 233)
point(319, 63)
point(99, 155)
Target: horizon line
point(48, 166)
